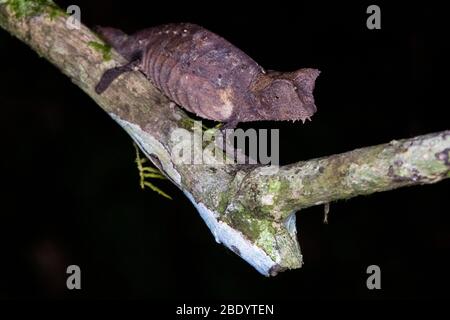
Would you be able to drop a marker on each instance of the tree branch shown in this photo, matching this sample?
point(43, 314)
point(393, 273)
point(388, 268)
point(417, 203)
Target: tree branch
point(250, 209)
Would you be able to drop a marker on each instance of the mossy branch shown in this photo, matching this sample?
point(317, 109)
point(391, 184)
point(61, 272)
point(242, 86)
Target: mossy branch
point(250, 209)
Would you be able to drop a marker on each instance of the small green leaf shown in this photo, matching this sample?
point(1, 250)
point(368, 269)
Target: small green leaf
point(153, 175)
point(150, 173)
point(156, 189)
point(149, 169)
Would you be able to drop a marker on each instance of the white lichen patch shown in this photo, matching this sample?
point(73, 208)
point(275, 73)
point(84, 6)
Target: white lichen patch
point(269, 170)
point(290, 224)
point(267, 199)
point(361, 175)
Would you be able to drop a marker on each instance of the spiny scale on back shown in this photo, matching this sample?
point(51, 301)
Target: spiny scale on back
point(205, 74)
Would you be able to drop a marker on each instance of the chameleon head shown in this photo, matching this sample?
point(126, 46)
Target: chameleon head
point(288, 96)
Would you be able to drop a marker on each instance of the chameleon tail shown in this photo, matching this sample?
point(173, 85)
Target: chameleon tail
point(111, 74)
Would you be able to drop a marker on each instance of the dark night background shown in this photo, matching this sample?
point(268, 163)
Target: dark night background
point(70, 192)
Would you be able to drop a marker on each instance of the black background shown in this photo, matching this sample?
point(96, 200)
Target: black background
point(70, 192)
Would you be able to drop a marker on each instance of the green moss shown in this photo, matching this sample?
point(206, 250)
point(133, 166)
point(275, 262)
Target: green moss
point(27, 8)
point(427, 168)
point(104, 49)
point(274, 186)
point(223, 202)
point(266, 234)
point(244, 222)
point(55, 12)
point(187, 123)
point(266, 237)
point(275, 192)
point(259, 231)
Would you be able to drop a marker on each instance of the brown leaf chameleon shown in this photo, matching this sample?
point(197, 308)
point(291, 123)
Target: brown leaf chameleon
point(205, 74)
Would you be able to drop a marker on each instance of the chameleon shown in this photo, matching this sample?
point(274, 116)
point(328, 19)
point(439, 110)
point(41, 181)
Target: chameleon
point(207, 75)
